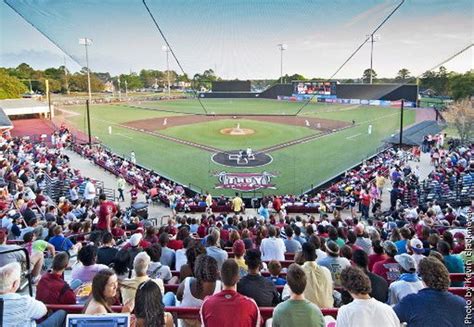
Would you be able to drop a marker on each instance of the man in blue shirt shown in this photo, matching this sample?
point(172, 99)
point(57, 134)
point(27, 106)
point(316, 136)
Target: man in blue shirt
point(433, 305)
point(453, 262)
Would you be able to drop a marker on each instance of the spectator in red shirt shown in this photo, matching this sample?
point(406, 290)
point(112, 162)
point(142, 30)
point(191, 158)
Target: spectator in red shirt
point(177, 243)
point(277, 204)
point(117, 230)
point(107, 210)
point(134, 194)
point(52, 289)
point(219, 309)
point(365, 199)
point(378, 254)
point(388, 269)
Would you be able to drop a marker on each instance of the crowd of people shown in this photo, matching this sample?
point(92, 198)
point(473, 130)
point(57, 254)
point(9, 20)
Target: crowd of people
point(378, 267)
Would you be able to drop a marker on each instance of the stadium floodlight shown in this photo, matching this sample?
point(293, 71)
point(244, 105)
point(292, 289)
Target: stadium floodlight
point(282, 47)
point(167, 50)
point(373, 38)
point(87, 43)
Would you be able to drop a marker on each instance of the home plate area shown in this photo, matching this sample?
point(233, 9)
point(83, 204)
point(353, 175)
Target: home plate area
point(242, 158)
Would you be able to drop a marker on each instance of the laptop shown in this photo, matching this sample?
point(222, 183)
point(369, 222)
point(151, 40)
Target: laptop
point(106, 320)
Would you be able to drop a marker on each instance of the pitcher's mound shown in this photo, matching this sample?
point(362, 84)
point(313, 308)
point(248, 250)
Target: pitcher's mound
point(237, 131)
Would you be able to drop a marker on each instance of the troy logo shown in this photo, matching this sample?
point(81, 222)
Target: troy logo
point(245, 181)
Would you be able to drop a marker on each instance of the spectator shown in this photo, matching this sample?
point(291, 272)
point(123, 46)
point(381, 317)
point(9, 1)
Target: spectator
point(274, 267)
point(36, 259)
point(180, 254)
point(297, 311)
point(87, 268)
point(417, 250)
point(256, 286)
point(291, 245)
point(239, 251)
point(22, 310)
point(104, 291)
point(89, 190)
point(433, 305)
point(192, 253)
point(193, 290)
point(128, 287)
point(168, 256)
point(149, 308)
point(363, 242)
point(156, 269)
point(405, 233)
point(316, 241)
point(107, 252)
point(214, 250)
point(272, 248)
point(121, 187)
point(52, 289)
point(378, 285)
point(319, 287)
point(453, 262)
point(388, 269)
point(237, 205)
point(37, 246)
point(219, 309)
point(407, 283)
point(121, 264)
point(334, 262)
point(364, 310)
point(107, 210)
point(60, 242)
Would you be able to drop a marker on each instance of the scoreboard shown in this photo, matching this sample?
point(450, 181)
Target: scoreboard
point(311, 87)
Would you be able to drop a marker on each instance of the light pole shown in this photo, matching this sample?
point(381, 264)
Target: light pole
point(86, 43)
point(126, 89)
point(167, 50)
point(119, 91)
point(373, 38)
point(282, 47)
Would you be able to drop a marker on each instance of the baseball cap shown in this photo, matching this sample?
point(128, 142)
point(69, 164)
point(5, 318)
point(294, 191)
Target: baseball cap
point(135, 239)
point(239, 247)
point(417, 246)
point(459, 235)
point(390, 247)
point(332, 248)
point(406, 261)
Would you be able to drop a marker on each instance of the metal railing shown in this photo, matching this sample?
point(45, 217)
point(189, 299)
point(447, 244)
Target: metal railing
point(28, 264)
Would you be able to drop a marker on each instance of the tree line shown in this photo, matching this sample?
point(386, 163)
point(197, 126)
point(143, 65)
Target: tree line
point(21, 79)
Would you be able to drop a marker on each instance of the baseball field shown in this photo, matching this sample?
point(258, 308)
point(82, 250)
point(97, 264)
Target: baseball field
point(176, 138)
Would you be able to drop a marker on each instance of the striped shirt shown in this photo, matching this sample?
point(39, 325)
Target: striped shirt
point(21, 311)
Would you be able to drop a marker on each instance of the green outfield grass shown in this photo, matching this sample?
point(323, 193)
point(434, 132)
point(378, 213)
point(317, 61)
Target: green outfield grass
point(298, 167)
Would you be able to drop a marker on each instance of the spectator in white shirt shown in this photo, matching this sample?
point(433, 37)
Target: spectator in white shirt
point(407, 283)
point(89, 190)
point(22, 310)
point(364, 310)
point(272, 248)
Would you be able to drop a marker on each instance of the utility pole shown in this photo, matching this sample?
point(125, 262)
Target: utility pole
point(402, 103)
point(282, 47)
point(373, 38)
point(87, 42)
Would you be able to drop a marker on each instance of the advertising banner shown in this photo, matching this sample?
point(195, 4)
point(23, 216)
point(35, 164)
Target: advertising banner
point(245, 181)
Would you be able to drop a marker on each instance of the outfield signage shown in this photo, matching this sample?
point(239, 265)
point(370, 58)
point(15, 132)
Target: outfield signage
point(245, 181)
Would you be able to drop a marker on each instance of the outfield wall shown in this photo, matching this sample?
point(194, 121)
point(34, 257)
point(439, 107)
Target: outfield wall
point(388, 92)
point(228, 95)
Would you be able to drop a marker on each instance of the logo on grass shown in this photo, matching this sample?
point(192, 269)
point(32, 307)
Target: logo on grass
point(245, 181)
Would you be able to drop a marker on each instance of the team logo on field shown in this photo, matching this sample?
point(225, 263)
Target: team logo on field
point(245, 181)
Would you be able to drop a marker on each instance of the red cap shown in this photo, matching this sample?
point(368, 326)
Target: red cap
point(239, 247)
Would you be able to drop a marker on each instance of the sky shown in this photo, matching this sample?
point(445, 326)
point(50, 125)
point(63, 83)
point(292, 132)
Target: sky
point(237, 38)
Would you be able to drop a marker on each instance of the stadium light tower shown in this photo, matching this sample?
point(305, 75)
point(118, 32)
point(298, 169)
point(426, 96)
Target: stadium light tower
point(373, 38)
point(87, 43)
point(282, 47)
point(167, 50)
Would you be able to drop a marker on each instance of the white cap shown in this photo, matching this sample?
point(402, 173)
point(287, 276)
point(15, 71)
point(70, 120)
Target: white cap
point(135, 239)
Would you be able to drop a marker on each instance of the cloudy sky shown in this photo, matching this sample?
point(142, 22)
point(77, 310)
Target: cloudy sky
point(237, 38)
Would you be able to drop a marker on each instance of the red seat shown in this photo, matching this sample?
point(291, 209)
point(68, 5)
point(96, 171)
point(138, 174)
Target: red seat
point(179, 312)
point(461, 291)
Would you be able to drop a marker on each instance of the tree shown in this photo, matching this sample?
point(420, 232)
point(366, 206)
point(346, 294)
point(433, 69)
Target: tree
point(78, 82)
point(403, 74)
point(461, 115)
point(133, 81)
point(10, 86)
point(461, 86)
point(366, 75)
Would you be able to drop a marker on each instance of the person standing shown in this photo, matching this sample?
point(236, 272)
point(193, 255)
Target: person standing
point(133, 159)
point(107, 210)
point(89, 190)
point(121, 188)
point(237, 204)
point(220, 309)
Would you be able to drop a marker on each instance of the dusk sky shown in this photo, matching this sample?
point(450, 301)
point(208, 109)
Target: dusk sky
point(236, 38)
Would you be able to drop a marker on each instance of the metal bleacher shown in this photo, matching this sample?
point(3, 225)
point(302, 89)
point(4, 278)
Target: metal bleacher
point(56, 188)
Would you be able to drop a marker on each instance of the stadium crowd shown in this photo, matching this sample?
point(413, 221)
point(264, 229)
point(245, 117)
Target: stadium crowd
point(352, 264)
